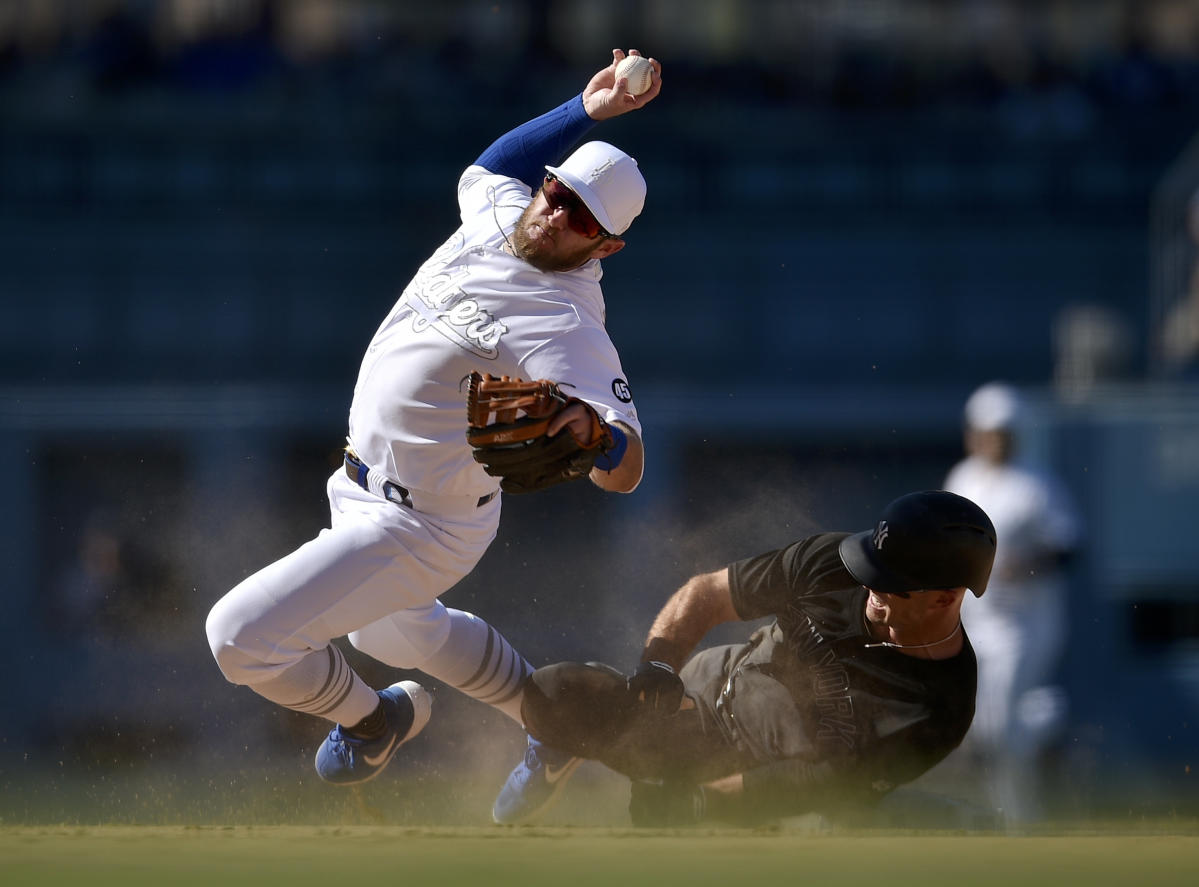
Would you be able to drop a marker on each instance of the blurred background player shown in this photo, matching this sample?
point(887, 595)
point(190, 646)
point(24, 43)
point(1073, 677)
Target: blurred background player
point(1179, 335)
point(514, 291)
point(1019, 628)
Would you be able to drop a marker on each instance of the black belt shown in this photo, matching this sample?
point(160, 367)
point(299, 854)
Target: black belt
point(357, 472)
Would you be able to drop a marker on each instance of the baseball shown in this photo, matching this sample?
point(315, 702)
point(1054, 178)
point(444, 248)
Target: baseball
point(639, 71)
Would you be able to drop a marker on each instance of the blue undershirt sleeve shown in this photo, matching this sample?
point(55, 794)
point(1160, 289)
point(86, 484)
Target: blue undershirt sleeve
point(524, 152)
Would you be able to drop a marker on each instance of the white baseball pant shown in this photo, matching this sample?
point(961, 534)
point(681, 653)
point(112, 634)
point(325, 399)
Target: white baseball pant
point(374, 575)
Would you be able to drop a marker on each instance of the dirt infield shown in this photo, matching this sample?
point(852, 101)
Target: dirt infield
point(579, 857)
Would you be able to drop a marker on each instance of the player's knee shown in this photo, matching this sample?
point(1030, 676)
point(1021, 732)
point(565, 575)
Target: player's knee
point(225, 639)
point(573, 706)
point(220, 639)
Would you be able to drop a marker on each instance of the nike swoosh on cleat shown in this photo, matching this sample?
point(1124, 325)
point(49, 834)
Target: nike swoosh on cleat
point(381, 758)
point(552, 775)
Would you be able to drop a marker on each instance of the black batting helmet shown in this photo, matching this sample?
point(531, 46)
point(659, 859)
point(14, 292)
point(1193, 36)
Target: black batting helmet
point(927, 540)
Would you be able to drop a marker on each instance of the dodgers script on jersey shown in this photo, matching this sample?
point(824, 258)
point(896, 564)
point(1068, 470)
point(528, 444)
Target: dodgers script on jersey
point(474, 306)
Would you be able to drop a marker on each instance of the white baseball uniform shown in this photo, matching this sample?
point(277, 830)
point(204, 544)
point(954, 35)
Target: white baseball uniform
point(474, 306)
point(1018, 626)
point(376, 574)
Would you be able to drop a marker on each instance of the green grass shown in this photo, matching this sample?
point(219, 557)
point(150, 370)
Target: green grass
point(280, 827)
point(294, 856)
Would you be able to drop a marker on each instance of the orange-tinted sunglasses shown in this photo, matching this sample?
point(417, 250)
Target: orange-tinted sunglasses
point(578, 216)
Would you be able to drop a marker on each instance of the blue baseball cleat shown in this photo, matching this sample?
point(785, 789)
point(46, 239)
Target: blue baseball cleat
point(344, 760)
point(535, 784)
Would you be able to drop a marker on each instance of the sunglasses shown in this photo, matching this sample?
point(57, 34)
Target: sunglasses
point(578, 216)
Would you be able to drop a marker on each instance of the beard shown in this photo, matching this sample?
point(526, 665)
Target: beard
point(544, 254)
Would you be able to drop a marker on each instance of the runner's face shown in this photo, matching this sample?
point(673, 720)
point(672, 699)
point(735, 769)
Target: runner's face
point(911, 611)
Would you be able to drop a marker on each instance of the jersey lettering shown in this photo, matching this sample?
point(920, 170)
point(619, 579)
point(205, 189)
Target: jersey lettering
point(438, 301)
point(830, 685)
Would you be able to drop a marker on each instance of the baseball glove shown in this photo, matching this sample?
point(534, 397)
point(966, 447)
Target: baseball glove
point(507, 420)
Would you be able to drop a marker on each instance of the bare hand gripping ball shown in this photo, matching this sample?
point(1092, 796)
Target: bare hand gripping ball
point(639, 71)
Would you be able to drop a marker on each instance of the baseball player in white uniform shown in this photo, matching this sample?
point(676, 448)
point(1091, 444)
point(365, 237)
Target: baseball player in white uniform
point(514, 291)
point(1018, 628)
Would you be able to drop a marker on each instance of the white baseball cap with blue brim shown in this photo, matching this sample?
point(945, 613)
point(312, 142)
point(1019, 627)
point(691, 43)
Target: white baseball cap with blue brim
point(995, 406)
point(608, 182)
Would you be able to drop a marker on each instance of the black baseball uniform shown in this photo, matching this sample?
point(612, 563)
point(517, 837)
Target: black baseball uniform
point(810, 710)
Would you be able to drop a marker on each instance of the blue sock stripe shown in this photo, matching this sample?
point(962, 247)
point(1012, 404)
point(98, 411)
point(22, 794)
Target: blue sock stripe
point(467, 685)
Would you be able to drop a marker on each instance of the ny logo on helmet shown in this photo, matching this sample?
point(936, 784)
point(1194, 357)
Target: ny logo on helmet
point(880, 535)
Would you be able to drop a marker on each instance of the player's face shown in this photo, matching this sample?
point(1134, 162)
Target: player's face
point(578, 217)
point(551, 233)
point(912, 611)
point(993, 446)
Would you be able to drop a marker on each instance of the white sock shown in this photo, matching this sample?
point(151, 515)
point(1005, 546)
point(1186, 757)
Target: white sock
point(480, 662)
point(322, 684)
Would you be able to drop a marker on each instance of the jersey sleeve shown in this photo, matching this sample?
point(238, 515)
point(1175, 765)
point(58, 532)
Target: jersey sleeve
point(763, 585)
point(523, 152)
point(584, 362)
point(481, 192)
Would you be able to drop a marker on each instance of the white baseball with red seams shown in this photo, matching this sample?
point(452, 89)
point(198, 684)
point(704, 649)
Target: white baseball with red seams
point(639, 71)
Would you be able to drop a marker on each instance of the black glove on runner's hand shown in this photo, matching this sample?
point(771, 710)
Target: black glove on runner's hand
point(655, 686)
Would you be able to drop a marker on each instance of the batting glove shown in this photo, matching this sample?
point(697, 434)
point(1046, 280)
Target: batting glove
point(656, 687)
